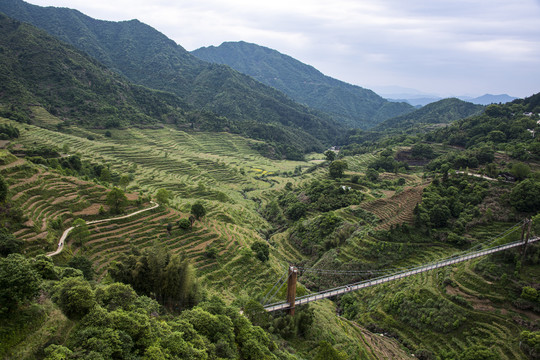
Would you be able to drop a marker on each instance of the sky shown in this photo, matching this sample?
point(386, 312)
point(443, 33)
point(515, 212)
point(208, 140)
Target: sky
point(439, 47)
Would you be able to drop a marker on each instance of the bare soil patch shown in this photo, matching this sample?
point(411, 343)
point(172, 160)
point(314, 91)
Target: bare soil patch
point(91, 210)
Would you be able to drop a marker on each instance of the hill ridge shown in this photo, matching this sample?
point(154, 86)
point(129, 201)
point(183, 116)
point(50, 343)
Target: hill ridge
point(351, 104)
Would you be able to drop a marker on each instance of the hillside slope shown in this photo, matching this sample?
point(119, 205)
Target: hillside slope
point(35, 68)
point(440, 112)
point(149, 58)
point(353, 105)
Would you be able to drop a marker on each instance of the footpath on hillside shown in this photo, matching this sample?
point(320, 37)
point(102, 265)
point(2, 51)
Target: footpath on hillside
point(68, 230)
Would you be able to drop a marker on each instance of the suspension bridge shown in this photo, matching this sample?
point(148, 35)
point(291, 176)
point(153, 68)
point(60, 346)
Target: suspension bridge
point(292, 274)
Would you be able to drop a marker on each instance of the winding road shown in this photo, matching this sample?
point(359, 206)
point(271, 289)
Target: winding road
point(68, 230)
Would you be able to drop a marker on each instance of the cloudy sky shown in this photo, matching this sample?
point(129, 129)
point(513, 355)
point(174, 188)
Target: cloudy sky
point(444, 47)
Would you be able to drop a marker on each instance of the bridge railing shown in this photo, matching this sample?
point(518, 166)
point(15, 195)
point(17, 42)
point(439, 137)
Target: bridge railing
point(397, 275)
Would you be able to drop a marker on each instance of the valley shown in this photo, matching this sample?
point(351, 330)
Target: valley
point(191, 188)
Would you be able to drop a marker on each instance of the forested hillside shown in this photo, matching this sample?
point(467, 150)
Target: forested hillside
point(149, 58)
point(37, 69)
point(438, 113)
point(353, 105)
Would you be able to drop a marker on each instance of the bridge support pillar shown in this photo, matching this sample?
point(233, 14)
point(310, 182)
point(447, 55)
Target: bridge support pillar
point(291, 288)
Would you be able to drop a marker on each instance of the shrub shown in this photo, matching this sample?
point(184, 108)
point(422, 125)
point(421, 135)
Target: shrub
point(184, 223)
point(261, 250)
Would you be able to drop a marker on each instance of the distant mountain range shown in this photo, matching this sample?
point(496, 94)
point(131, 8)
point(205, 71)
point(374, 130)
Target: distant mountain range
point(350, 104)
point(419, 99)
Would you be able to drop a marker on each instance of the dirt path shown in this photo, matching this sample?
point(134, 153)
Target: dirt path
point(68, 230)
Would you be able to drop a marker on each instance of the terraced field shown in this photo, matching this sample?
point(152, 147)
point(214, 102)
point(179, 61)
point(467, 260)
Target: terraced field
point(216, 167)
point(220, 169)
point(32, 189)
point(484, 316)
point(396, 209)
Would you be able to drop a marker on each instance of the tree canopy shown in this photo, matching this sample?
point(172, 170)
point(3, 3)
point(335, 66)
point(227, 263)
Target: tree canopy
point(117, 200)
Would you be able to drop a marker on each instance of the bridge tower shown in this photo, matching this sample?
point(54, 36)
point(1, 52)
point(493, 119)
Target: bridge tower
point(291, 288)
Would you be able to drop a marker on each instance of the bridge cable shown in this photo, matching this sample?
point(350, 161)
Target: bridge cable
point(266, 300)
point(393, 270)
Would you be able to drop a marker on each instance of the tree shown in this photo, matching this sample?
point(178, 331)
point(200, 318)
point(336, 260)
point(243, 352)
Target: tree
point(520, 170)
point(44, 266)
point(439, 215)
point(372, 174)
point(19, 282)
point(105, 175)
point(422, 151)
point(256, 313)
point(330, 155)
point(9, 244)
point(3, 189)
point(478, 352)
point(80, 233)
point(337, 168)
point(124, 181)
point(117, 200)
point(296, 211)
point(525, 196)
point(198, 210)
point(57, 352)
point(529, 293)
point(180, 287)
point(162, 196)
point(75, 297)
point(184, 223)
point(84, 264)
point(530, 343)
point(261, 250)
point(116, 296)
point(170, 279)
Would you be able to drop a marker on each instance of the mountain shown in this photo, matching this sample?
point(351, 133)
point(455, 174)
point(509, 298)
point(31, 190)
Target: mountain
point(353, 105)
point(149, 58)
point(422, 100)
point(440, 112)
point(490, 99)
point(37, 69)
point(414, 101)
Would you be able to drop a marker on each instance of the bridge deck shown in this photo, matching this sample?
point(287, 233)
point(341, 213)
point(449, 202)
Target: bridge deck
point(399, 275)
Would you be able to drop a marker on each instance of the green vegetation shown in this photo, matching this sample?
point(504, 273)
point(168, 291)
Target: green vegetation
point(117, 200)
point(185, 279)
point(350, 104)
point(428, 117)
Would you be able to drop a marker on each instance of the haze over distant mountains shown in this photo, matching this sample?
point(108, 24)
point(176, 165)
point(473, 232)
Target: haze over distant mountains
point(351, 104)
point(418, 98)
